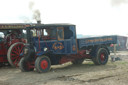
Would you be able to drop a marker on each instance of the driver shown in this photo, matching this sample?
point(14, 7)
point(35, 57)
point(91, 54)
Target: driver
point(51, 33)
point(48, 32)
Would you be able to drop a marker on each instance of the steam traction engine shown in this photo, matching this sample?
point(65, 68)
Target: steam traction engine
point(11, 43)
point(52, 44)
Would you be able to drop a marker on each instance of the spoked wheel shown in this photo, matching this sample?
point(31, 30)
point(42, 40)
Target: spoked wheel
point(101, 58)
point(14, 53)
point(25, 66)
point(42, 64)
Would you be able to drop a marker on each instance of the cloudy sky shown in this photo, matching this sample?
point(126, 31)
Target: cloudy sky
point(91, 17)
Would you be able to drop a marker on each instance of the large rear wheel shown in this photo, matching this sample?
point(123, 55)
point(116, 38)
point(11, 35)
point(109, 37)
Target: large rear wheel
point(14, 53)
point(101, 57)
point(42, 64)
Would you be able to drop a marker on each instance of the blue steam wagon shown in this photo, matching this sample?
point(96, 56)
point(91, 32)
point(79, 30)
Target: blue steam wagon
point(53, 44)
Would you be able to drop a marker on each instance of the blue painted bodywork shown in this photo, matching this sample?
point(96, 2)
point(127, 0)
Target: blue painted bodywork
point(57, 46)
point(49, 45)
point(69, 45)
point(102, 40)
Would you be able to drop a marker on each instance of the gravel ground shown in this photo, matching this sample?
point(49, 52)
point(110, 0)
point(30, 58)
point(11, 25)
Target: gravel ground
point(114, 73)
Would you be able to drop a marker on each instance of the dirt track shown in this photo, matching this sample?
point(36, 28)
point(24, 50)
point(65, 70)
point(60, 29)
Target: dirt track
point(114, 73)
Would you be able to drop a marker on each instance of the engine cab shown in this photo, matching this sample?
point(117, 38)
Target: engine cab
point(54, 38)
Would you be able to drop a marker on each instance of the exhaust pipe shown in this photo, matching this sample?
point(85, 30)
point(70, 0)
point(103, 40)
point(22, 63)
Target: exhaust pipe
point(39, 22)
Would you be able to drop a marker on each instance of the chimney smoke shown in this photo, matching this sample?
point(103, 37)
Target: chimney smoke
point(36, 13)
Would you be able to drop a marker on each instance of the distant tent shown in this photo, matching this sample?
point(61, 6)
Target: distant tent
point(127, 44)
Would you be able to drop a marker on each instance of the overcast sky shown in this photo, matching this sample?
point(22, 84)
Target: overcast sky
point(91, 17)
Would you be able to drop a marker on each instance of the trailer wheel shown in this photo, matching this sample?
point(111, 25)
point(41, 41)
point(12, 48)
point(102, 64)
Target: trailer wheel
point(14, 53)
point(101, 57)
point(78, 61)
point(25, 65)
point(42, 64)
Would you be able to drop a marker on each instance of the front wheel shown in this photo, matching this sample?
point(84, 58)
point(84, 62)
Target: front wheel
point(42, 64)
point(25, 65)
point(101, 57)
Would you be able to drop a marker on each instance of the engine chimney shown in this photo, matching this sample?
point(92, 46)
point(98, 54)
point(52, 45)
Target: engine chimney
point(39, 22)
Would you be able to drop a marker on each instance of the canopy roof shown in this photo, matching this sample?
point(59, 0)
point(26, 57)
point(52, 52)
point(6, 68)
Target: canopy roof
point(14, 26)
point(50, 25)
point(31, 25)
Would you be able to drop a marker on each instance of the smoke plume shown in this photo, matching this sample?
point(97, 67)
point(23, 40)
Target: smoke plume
point(118, 2)
point(36, 13)
point(31, 5)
